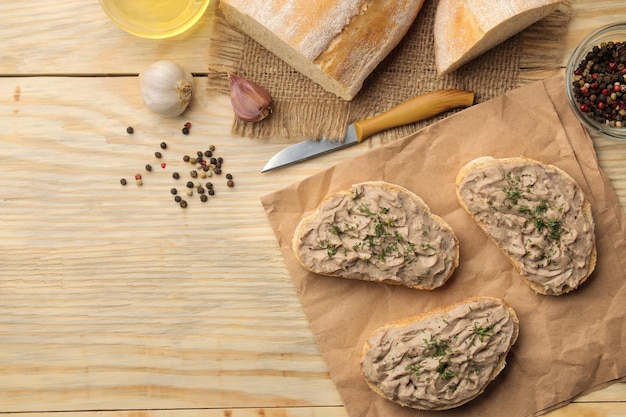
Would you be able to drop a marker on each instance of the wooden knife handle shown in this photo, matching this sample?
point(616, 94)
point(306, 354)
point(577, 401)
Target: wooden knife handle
point(413, 110)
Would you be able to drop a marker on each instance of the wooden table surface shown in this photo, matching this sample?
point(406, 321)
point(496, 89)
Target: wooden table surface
point(114, 301)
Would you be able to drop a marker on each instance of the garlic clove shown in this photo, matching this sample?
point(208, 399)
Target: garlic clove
point(250, 101)
point(166, 88)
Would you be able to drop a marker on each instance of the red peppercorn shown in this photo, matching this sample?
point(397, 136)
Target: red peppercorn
point(617, 87)
point(163, 165)
point(584, 108)
point(612, 65)
point(188, 125)
point(601, 105)
point(137, 176)
point(606, 92)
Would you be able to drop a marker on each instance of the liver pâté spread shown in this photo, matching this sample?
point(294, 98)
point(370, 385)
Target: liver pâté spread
point(378, 232)
point(536, 215)
point(442, 359)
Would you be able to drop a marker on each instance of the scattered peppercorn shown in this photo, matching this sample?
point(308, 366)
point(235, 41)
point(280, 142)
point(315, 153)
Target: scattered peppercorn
point(130, 130)
point(178, 199)
point(204, 198)
point(163, 145)
point(188, 125)
point(123, 181)
point(193, 173)
point(148, 167)
point(158, 154)
point(211, 191)
point(211, 148)
point(185, 131)
point(139, 182)
point(183, 204)
point(229, 176)
point(208, 153)
point(163, 165)
point(186, 158)
point(174, 191)
point(189, 184)
point(230, 183)
point(200, 190)
point(175, 175)
point(137, 176)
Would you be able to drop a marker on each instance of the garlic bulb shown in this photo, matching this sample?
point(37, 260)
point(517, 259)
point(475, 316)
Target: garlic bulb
point(250, 101)
point(166, 88)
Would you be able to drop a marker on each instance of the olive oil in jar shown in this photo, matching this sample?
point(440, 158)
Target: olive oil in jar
point(155, 18)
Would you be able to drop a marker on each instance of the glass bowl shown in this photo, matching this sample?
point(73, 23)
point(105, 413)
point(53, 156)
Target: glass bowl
point(587, 89)
point(155, 19)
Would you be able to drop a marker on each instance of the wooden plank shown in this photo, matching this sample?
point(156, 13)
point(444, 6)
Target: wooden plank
point(81, 39)
point(115, 297)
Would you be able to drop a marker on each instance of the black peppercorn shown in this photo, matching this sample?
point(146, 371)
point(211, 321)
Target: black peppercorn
point(211, 191)
point(204, 198)
point(178, 199)
point(200, 190)
point(209, 185)
point(183, 204)
point(208, 153)
point(130, 130)
point(163, 145)
point(175, 175)
point(123, 181)
point(189, 184)
point(174, 191)
point(185, 131)
point(158, 155)
point(148, 167)
point(193, 173)
point(229, 176)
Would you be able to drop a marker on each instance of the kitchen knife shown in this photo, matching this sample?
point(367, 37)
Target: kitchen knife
point(413, 110)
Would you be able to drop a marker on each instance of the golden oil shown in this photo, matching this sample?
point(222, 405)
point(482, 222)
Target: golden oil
point(155, 18)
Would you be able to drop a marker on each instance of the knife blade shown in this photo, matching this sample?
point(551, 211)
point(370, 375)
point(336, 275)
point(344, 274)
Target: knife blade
point(413, 110)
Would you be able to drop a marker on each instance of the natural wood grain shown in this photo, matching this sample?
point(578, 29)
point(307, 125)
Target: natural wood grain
point(115, 302)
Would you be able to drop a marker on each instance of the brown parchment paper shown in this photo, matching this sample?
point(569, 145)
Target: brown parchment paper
point(568, 345)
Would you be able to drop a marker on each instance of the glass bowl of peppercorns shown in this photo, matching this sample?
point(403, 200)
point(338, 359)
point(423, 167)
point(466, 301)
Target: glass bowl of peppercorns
point(595, 80)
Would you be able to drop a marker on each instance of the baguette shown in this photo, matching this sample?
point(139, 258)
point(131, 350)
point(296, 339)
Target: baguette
point(380, 232)
point(335, 43)
point(443, 358)
point(537, 215)
point(465, 29)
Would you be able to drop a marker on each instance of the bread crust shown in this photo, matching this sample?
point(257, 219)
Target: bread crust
point(487, 161)
point(402, 323)
point(465, 29)
point(304, 226)
point(335, 43)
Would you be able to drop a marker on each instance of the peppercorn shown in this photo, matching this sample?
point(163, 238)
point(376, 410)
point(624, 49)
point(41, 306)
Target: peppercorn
point(163, 145)
point(204, 198)
point(185, 131)
point(137, 176)
point(211, 191)
point(158, 155)
point(208, 153)
point(209, 185)
point(187, 125)
point(200, 190)
point(130, 130)
point(189, 184)
point(174, 191)
point(163, 165)
point(211, 148)
point(193, 173)
point(123, 181)
point(148, 167)
point(229, 176)
point(183, 204)
point(230, 183)
point(178, 199)
point(175, 175)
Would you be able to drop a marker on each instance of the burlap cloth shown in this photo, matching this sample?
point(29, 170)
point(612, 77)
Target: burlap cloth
point(568, 345)
point(303, 109)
